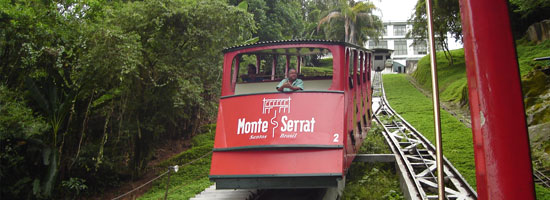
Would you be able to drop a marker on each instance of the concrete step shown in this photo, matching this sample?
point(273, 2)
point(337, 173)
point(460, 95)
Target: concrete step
point(211, 193)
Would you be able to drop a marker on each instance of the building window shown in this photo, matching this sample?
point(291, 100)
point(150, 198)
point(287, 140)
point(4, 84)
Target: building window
point(378, 57)
point(400, 47)
point(385, 30)
point(399, 30)
point(380, 44)
point(438, 46)
point(420, 48)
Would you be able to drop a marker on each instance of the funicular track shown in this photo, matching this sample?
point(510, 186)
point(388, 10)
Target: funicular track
point(415, 155)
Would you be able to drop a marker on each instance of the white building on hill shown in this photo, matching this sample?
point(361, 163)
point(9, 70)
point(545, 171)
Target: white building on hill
point(405, 55)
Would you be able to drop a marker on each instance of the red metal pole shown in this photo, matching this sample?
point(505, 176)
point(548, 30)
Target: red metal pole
point(501, 144)
point(235, 73)
point(287, 65)
point(299, 65)
point(258, 63)
point(273, 67)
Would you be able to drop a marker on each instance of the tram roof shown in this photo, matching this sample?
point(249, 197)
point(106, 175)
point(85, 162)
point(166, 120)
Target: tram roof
point(291, 51)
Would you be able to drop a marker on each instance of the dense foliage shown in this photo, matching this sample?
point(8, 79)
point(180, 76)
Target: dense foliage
point(89, 87)
point(446, 19)
point(277, 20)
point(358, 20)
point(526, 12)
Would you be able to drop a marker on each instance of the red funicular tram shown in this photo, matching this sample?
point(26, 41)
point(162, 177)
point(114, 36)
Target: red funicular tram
point(302, 139)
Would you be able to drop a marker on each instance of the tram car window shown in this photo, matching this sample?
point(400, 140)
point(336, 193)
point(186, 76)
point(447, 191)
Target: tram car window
point(255, 70)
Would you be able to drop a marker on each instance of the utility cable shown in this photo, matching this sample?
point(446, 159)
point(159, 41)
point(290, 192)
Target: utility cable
point(141, 185)
point(137, 188)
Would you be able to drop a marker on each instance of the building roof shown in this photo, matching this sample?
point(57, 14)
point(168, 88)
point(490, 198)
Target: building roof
point(396, 64)
point(382, 50)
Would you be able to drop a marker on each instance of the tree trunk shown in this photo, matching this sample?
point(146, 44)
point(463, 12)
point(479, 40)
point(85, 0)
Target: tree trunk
point(346, 29)
point(352, 34)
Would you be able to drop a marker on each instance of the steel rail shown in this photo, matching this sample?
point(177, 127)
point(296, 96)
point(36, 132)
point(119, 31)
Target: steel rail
point(418, 155)
point(541, 178)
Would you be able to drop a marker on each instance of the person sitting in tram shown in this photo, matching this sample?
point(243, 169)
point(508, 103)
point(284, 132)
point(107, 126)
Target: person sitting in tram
point(292, 83)
point(251, 76)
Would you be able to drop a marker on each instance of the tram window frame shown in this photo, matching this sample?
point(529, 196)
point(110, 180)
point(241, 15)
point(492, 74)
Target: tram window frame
point(350, 61)
point(363, 66)
point(369, 66)
point(234, 71)
point(323, 81)
point(357, 70)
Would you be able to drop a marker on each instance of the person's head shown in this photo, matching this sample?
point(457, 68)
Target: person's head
point(292, 74)
point(251, 69)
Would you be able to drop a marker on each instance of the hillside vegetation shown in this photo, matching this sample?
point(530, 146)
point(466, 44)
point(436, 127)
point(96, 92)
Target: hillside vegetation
point(90, 91)
point(194, 166)
point(452, 78)
point(535, 76)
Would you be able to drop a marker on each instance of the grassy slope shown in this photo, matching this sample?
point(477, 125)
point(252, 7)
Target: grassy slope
point(417, 110)
point(527, 51)
point(453, 82)
point(457, 138)
point(452, 78)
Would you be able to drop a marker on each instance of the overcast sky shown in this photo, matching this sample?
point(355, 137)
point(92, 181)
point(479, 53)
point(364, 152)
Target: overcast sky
point(395, 10)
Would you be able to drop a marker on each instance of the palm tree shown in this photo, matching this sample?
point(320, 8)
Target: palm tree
point(359, 21)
